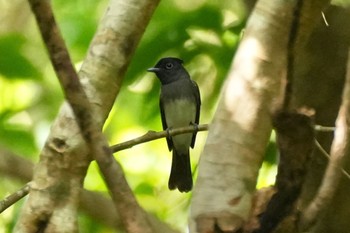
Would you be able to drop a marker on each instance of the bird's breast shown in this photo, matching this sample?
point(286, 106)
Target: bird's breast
point(180, 112)
point(179, 103)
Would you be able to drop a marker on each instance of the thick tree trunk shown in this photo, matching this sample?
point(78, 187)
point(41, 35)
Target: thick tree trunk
point(241, 126)
point(235, 146)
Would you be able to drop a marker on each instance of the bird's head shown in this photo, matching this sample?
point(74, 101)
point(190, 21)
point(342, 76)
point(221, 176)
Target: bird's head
point(169, 69)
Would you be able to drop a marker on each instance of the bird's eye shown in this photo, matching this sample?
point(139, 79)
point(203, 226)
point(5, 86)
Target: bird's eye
point(169, 65)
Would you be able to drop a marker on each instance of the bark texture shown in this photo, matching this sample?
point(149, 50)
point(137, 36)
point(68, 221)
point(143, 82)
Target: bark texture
point(241, 126)
point(319, 79)
point(94, 204)
point(58, 178)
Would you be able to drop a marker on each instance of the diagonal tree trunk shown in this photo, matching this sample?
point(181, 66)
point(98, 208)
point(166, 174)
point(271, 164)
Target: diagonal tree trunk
point(58, 178)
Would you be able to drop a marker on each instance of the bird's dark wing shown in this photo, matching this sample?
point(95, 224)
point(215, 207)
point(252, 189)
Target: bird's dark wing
point(198, 109)
point(165, 127)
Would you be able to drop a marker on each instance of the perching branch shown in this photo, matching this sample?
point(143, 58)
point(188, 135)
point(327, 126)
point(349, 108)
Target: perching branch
point(149, 136)
point(132, 214)
point(339, 150)
point(152, 135)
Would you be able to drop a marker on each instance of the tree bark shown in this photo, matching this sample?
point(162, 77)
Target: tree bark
point(238, 135)
point(94, 204)
point(58, 178)
point(319, 79)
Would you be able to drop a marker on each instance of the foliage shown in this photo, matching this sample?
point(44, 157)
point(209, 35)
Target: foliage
point(205, 34)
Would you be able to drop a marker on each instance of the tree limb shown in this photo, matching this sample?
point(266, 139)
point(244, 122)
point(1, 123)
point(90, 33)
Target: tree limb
point(233, 153)
point(58, 178)
point(325, 153)
point(133, 216)
point(152, 135)
point(94, 204)
point(295, 139)
point(22, 169)
point(339, 151)
point(14, 197)
point(10, 163)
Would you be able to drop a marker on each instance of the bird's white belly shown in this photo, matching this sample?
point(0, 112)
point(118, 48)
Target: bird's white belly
point(180, 113)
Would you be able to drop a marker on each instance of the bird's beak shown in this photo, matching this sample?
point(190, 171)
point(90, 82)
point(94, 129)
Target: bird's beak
point(153, 69)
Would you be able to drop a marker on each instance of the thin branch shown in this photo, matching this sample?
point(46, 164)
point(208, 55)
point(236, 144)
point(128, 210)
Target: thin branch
point(14, 197)
point(133, 216)
point(324, 19)
point(149, 136)
point(325, 153)
point(152, 135)
point(321, 128)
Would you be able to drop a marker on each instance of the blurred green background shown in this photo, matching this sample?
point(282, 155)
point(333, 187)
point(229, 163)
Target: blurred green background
point(205, 34)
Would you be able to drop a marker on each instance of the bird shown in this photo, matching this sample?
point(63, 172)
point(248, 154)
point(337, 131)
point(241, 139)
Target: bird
point(179, 104)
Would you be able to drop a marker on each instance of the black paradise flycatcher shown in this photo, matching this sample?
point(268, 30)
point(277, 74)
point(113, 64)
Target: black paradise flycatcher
point(179, 106)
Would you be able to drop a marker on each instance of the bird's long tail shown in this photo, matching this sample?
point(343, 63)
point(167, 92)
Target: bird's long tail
point(181, 175)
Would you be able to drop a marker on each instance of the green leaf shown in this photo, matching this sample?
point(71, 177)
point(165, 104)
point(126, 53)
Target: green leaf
point(13, 64)
point(16, 137)
point(144, 188)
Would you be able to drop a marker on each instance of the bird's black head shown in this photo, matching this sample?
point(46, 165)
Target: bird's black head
point(169, 69)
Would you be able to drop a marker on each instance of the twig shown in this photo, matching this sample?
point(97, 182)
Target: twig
point(321, 128)
point(325, 153)
point(324, 19)
point(149, 136)
point(14, 197)
point(132, 214)
point(152, 135)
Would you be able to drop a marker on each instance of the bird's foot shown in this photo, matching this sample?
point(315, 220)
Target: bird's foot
point(195, 127)
point(168, 132)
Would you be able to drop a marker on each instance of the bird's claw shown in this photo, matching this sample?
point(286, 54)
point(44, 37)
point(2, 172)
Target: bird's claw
point(168, 133)
point(195, 127)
